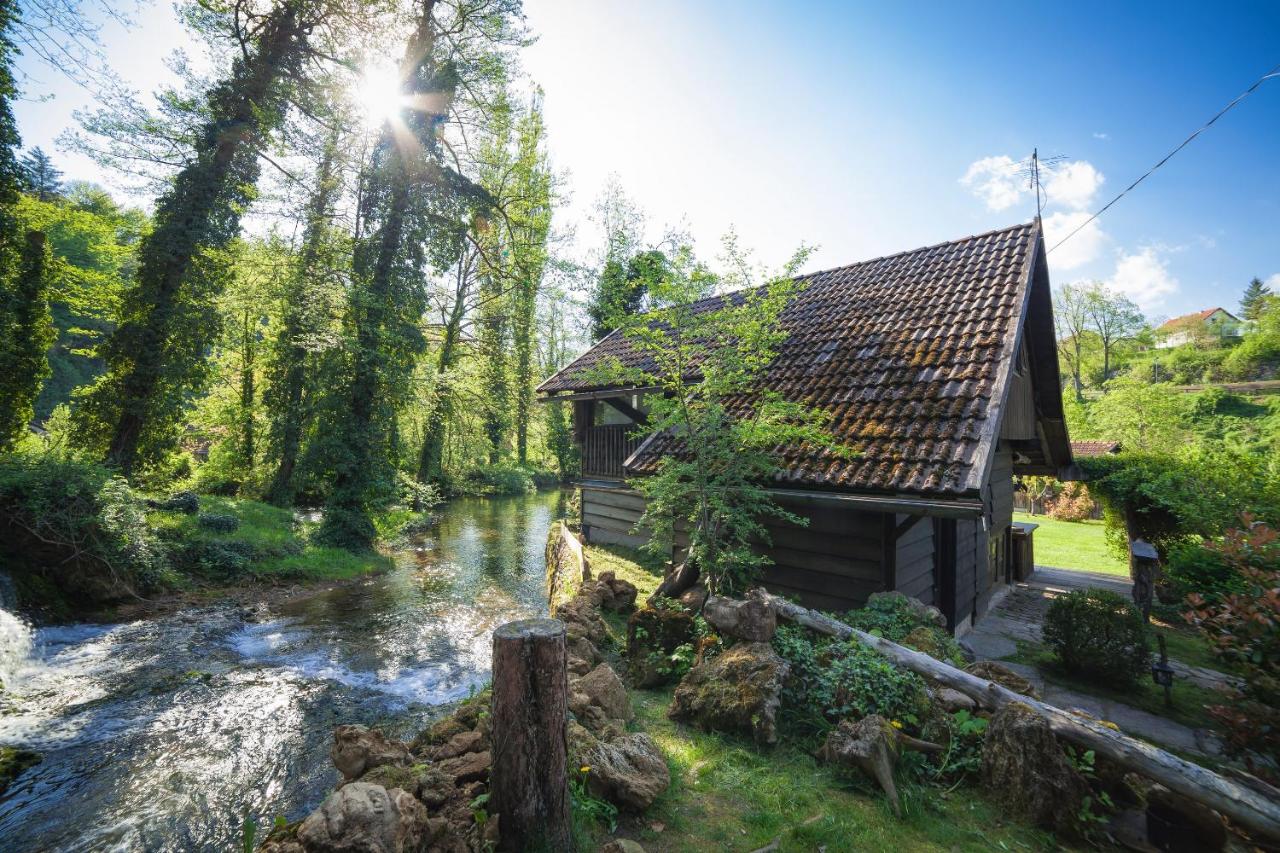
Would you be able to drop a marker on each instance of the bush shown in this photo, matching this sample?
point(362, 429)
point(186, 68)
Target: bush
point(503, 479)
point(894, 616)
point(1073, 503)
point(1198, 568)
point(1099, 635)
point(1244, 628)
point(187, 503)
point(836, 679)
point(216, 522)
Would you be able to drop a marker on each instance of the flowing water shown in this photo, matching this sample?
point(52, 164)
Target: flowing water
point(158, 734)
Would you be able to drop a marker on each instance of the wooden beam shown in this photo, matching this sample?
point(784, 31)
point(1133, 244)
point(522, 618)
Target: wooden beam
point(627, 409)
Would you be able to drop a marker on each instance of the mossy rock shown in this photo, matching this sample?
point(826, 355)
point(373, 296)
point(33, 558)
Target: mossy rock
point(14, 761)
point(653, 635)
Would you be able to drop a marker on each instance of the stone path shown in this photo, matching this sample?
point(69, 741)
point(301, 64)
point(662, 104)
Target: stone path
point(1018, 617)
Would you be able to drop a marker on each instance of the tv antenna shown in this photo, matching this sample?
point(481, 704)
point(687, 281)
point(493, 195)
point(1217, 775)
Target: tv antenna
point(1030, 169)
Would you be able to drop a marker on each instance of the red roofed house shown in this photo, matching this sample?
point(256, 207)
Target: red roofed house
point(1210, 324)
point(938, 366)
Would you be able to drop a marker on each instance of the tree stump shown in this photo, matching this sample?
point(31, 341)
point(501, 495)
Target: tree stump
point(529, 782)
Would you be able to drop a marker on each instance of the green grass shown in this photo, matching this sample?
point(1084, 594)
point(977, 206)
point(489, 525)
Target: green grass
point(726, 794)
point(1077, 545)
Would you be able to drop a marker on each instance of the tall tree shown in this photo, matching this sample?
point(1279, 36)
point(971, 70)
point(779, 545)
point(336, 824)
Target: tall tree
point(1113, 317)
point(39, 176)
point(1069, 310)
point(156, 357)
point(417, 208)
point(1255, 299)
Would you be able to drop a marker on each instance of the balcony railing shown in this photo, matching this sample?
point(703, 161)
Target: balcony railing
point(605, 448)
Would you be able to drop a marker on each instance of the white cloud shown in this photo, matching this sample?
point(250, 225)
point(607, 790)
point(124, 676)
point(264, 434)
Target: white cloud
point(1143, 277)
point(1273, 282)
point(1103, 136)
point(1081, 249)
point(995, 180)
point(1074, 184)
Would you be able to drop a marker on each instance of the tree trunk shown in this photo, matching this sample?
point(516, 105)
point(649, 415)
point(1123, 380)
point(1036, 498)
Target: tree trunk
point(1245, 805)
point(529, 782)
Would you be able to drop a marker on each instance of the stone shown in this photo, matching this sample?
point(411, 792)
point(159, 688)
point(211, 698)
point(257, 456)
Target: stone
point(739, 690)
point(358, 749)
point(471, 767)
point(439, 732)
point(580, 742)
point(926, 613)
point(925, 639)
point(365, 818)
point(622, 594)
point(693, 598)
point(606, 691)
point(653, 634)
point(622, 845)
point(1177, 823)
point(743, 619)
point(581, 618)
point(953, 700)
point(1002, 675)
point(465, 741)
point(1024, 767)
point(628, 771)
point(582, 652)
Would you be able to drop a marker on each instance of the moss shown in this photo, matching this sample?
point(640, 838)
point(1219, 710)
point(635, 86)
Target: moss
point(14, 761)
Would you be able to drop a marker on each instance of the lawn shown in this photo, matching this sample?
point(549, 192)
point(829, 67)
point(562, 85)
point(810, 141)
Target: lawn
point(1077, 545)
point(726, 794)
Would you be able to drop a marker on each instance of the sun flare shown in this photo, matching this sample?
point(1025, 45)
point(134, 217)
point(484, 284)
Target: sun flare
point(378, 95)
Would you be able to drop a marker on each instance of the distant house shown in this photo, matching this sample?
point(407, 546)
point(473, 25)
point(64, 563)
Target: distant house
point(1215, 324)
point(1080, 449)
point(937, 365)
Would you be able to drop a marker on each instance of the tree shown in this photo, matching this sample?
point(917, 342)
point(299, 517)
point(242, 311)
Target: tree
point(1070, 312)
point(1254, 300)
point(40, 177)
point(722, 421)
point(156, 357)
point(622, 289)
point(1142, 416)
point(1113, 317)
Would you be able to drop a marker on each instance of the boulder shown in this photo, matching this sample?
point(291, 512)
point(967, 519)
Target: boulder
point(582, 655)
point(427, 782)
point(743, 619)
point(470, 767)
point(1177, 823)
point(621, 594)
point(926, 639)
point(628, 771)
point(606, 691)
point(926, 613)
point(365, 818)
point(1002, 675)
point(739, 690)
point(467, 740)
point(581, 618)
point(1025, 768)
point(653, 634)
point(580, 742)
point(953, 700)
point(693, 598)
point(622, 845)
point(358, 749)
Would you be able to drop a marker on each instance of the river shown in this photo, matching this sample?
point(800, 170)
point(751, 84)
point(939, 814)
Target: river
point(159, 734)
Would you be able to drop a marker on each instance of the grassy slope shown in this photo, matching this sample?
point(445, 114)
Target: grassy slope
point(287, 553)
point(727, 795)
point(1072, 545)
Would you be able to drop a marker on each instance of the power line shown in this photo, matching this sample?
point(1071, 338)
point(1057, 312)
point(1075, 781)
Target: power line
point(1274, 72)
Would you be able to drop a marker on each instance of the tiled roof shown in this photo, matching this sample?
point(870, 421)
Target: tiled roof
point(905, 354)
point(1094, 448)
point(1195, 317)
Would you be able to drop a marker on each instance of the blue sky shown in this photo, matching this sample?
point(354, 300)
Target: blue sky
point(853, 126)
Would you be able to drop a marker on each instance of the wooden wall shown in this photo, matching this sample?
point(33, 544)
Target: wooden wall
point(609, 516)
point(915, 558)
point(834, 563)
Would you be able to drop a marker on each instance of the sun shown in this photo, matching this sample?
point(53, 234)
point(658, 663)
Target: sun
point(378, 95)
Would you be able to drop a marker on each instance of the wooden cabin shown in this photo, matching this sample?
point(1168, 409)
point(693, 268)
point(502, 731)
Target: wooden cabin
point(939, 369)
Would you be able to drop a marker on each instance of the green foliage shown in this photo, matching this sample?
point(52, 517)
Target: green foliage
point(1200, 568)
point(40, 177)
point(1254, 301)
point(623, 287)
point(501, 479)
point(836, 679)
point(1244, 627)
point(26, 332)
point(1099, 635)
point(587, 808)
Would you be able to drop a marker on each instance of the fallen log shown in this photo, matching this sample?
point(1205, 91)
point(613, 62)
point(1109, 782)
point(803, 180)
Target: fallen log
point(1245, 805)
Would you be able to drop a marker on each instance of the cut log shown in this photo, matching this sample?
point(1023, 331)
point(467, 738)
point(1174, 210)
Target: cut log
point(529, 781)
point(682, 577)
point(1243, 804)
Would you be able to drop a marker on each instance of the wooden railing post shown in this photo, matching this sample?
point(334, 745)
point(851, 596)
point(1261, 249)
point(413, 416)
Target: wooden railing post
point(529, 781)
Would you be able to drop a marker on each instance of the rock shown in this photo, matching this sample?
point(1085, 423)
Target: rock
point(628, 771)
point(622, 845)
point(605, 690)
point(1177, 823)
point(581, 618)
point(739, 690)
point(1002, 675)
point(693, 598)
point(926, 613)
point(440, 732)
point(1024, 767)
point(364, 818)
point(871, 746)
point(622, 594)
point(744, 619)
point(953, 700)
point(358, 749)
point(427, 782)
point(471, 767)
point(14, 761)
point(580, 742)
point(582, 655)
point(465, 741)
point(925, 639)
point(653, 634)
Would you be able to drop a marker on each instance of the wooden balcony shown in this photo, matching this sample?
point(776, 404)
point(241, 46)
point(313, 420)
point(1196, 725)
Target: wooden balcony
point(605, 448)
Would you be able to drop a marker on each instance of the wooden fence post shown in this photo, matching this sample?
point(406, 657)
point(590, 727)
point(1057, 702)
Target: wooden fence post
point(529, 781)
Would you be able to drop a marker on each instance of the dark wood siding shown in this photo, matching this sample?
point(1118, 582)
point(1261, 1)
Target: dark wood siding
point(834, 563)
point(994, 559)
point(970, 542)
point(915, 559)
point(609, 516)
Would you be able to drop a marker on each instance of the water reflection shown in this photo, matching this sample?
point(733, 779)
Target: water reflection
point(156, 734)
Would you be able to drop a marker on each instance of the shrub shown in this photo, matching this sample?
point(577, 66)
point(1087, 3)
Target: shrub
point(894, 616)
point(1198, 568)
point(1099, 635)
point(187, 503)
point(216, 522)
point(834, 679)
point(1073, 503)
point(1244, 628)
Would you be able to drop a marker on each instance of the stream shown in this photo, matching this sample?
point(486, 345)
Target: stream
point(159, 734)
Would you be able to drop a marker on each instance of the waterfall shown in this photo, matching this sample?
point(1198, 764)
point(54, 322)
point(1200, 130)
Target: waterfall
point(15, 634)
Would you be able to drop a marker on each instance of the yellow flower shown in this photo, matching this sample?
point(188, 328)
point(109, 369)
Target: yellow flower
point(897, 724)
point(584, 769)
